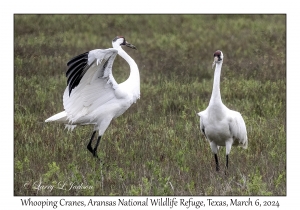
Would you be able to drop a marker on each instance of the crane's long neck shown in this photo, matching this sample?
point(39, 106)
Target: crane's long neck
point(134, 77)
point(216, 94)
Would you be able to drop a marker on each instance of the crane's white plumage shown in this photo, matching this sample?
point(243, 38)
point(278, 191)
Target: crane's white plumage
point(92, 95)
point(220, 125)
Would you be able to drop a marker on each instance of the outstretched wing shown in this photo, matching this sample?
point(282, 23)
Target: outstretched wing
point(90, 82)
point(237, 128)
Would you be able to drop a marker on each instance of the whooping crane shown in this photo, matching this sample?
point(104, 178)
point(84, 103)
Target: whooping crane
point(220, 125)
point(92, 95)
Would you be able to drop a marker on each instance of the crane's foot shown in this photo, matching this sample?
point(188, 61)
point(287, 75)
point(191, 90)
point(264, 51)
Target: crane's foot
point(95, 154)
point(89, 147)
point(93, 151)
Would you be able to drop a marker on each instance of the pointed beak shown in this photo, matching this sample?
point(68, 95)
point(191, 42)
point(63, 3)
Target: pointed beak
point(130, 45)
point(214, 63)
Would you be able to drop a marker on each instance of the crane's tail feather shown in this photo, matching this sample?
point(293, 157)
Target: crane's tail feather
point(70, 127)
point(59, 117)
point(245, 143)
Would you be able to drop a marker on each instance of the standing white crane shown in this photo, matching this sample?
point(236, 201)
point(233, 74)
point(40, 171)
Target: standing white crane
point(220, 125)
point(92, 95)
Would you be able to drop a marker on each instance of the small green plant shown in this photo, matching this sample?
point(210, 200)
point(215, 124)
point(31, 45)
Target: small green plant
point(134, 190)
point(22, 166)
point(53, 173)
point(280, 180)
point(256, 186)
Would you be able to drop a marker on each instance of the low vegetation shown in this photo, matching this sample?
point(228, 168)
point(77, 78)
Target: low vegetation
point(155, 147)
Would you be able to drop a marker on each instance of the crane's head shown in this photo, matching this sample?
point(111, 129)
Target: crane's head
point(218, 57)
point(120, 40)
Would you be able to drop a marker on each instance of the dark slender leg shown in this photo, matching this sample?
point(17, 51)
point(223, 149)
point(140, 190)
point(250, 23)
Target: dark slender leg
point(226, 161)
point(217, 162)
point(89, 146)
point(95, 149)
point(226, 164)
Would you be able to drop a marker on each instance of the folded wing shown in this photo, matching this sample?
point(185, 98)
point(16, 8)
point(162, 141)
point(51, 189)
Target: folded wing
point(237, 128)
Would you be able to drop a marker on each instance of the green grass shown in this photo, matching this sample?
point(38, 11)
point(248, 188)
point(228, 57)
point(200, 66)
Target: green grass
point(155, 147)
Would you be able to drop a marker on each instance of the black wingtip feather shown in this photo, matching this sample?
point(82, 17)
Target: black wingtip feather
point(75, 65)
point(76, 70)
point(78, 67)
point(78, 57)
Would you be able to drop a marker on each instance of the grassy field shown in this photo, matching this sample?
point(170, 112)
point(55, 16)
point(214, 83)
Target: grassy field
point(155, 147)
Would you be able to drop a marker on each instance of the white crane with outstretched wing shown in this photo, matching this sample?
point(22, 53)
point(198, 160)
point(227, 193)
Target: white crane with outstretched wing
point(92, 95)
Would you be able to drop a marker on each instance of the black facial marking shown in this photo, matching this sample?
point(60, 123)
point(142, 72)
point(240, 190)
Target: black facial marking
point(218, 54)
